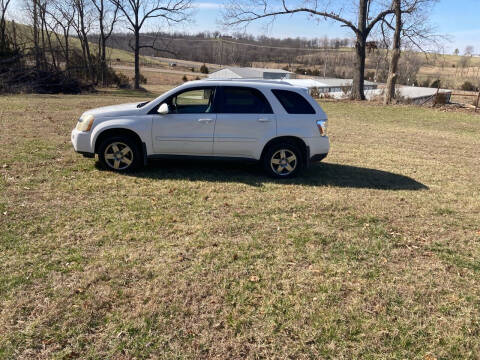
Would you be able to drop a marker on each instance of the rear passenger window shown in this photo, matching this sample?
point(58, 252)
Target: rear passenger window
point(293, 102)
point(244, 100)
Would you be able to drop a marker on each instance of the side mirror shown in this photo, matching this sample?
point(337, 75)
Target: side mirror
point(163, 109)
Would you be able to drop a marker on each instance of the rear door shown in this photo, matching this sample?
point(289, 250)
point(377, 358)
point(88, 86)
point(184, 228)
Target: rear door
point(188, 127)
point(244, 120)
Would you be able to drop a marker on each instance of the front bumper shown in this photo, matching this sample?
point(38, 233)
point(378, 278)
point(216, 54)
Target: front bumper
point(81, 142)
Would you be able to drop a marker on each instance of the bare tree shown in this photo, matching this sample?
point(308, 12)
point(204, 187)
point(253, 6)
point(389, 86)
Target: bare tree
point(107, 13)
point(413, 28)
point(63, 16)
point(368, 14)
point(395, 57)
point(3, 35)
point(82, 26)
point(138, 12)
point(469, 50)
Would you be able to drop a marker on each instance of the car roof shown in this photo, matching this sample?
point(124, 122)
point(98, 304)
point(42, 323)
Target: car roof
point(257, 83)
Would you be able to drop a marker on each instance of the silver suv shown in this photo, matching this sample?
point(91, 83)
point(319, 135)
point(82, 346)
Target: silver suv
point(270, 121)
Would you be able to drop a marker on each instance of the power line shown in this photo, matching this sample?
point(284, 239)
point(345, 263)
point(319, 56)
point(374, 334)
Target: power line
point(253, 45)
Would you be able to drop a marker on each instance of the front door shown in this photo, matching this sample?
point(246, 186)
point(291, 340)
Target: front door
point(244, 120)
point(188, 127)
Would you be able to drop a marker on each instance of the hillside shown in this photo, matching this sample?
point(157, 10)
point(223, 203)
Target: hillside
point(452, 70)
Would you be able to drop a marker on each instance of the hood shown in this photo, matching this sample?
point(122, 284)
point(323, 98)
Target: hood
point(115, 110)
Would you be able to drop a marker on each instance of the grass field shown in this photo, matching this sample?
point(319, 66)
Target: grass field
point(372, 254)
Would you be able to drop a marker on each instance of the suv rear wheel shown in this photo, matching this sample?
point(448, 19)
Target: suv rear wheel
point(120, 153)
point(283, 160)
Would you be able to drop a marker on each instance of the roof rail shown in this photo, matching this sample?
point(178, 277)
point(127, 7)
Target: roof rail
point(267, 81)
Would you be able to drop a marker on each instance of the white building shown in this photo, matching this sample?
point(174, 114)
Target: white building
point(321, 85)
point(329, 85)
point(250, 73)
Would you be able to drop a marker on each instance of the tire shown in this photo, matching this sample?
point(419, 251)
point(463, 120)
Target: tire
point(283, 160)
point(120, 154)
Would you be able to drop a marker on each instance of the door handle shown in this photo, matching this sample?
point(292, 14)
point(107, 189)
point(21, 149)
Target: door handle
point(264, 120)
point(205, 120)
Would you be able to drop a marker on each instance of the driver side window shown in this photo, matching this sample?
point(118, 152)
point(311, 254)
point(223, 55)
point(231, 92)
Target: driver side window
point(192, 101)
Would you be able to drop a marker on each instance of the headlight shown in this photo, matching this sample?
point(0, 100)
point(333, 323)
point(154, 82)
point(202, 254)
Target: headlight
point(85, 123)
point(322, 127)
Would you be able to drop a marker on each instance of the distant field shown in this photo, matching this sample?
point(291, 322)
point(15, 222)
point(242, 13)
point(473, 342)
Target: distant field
point(372, 254)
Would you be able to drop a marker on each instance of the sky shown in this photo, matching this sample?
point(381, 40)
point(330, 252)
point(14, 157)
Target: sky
point(459, 20)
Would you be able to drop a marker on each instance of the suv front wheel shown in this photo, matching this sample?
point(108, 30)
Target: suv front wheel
point(119, 153)
point(283, 160)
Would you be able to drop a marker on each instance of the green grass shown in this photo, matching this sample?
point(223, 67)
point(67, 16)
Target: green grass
point(371, 254)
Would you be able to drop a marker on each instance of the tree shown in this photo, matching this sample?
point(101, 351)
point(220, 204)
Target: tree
point(469, 50)
point(413, 27)
point(107, 17)
point(392, 71)
point(82, 26)
point(456, 52)
point(138, 12)
point(63, 16)
point(3, 35)
point(368, 14)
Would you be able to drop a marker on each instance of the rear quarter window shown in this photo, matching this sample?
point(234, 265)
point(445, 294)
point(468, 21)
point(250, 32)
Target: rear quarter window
point(293, 102)
point(244, 100)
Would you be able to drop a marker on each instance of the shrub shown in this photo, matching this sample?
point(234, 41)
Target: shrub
point(314, 92)
point(435, 84)
point(184, 78)
point(370, 75)
point(122, 81)
point(143, 79)
point(204, 69)
point(17, 75)
point(426, 83)
point(468, 86)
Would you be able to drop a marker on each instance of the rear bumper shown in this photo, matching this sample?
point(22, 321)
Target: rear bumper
point(318, 157)
point(318, 148)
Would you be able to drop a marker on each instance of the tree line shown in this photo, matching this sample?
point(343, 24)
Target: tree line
point(56, 24)
point(213, 47)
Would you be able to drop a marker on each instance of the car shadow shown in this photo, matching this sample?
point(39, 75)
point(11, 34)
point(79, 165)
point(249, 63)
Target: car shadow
point(319, 174)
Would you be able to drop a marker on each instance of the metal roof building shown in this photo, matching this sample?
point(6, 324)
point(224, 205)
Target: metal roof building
point(329, 85)
point(250, 73)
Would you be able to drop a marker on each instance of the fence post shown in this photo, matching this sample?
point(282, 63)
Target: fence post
point(436, 94)
point(478, 100)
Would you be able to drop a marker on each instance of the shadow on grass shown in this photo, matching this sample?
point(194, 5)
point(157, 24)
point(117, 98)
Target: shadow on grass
point(320, 174)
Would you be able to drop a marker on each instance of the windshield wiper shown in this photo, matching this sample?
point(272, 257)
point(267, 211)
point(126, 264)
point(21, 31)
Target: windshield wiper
point(142, 104)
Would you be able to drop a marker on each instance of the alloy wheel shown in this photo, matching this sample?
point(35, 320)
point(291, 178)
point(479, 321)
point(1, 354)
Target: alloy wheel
point(118, 155)
point(283, 162)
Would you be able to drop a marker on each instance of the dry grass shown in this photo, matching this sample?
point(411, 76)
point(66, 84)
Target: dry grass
point(373, 254)
point(160, 81)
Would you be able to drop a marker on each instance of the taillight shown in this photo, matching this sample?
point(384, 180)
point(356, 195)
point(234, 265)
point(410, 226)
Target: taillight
point(322, 127)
